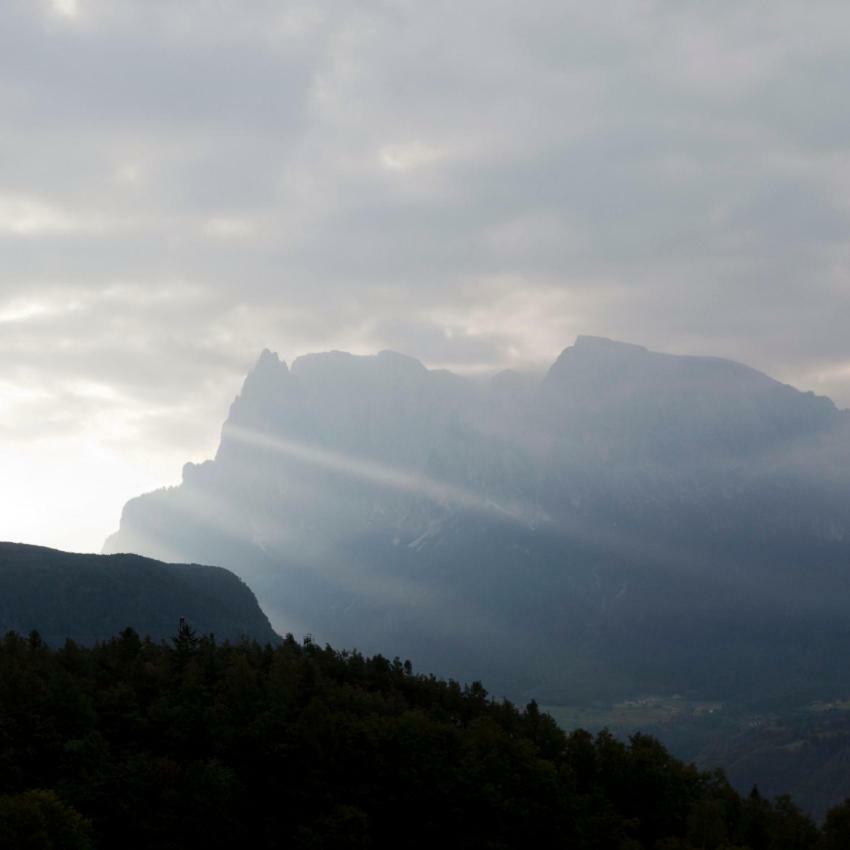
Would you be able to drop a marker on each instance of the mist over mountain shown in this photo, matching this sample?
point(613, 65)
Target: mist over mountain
point(90, 598)
point(631, 521)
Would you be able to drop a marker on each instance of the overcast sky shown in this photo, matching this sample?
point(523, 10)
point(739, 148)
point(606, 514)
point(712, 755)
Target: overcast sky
point(185, 182)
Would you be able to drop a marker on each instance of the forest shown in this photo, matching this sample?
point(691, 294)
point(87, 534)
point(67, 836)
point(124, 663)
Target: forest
point(190, 743)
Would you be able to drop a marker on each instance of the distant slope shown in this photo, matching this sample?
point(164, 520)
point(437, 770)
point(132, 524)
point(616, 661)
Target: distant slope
point(93, 597)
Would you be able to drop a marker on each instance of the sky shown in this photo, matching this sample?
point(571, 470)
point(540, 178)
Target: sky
point(186, 182)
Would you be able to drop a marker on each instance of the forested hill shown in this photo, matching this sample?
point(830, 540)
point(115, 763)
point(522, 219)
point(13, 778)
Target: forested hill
point(92, 597)
point(135, 744)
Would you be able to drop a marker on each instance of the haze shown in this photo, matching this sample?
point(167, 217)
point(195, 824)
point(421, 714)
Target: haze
point(184, 183)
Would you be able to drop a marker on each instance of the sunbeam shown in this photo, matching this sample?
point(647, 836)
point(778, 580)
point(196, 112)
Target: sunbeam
point(374, 472)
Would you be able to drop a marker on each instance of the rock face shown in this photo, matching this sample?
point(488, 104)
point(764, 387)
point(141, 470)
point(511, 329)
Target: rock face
point(632, 521)
point(93, 597)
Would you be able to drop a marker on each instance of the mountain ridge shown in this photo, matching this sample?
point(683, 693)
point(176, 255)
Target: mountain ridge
point(378, 503)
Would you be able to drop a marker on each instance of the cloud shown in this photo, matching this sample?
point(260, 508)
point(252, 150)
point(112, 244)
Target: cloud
point(183, 183)
point(67, 8)
point(21, 216)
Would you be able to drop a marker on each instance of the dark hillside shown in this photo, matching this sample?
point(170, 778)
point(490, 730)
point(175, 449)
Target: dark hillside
point(92, 597)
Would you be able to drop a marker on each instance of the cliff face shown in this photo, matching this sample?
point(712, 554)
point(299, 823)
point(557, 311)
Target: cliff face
point(89, 598)
point(629, 521)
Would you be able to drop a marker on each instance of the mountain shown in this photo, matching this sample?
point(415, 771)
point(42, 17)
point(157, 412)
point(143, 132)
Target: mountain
point(630, 522)
point(90, 598)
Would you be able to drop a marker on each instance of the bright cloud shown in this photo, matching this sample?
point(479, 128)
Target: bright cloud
point(68, 8)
